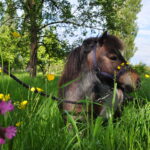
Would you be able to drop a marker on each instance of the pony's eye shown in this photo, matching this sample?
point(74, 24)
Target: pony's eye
point(113, 58)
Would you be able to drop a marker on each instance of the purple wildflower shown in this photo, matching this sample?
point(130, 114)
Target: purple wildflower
point(2, 141)
point(8, 133)
point(6, 106)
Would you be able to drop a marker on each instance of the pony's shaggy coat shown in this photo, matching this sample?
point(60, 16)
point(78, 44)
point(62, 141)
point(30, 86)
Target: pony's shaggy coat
point(80, 79)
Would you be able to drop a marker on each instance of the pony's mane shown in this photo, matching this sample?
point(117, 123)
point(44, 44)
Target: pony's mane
point(72, 67)
point(76, 57)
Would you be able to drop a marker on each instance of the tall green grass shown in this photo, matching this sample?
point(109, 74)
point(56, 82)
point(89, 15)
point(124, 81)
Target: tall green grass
point(44, 129)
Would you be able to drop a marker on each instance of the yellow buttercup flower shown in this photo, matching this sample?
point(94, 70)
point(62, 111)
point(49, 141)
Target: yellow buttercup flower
point(50, 77)
point(39, 89)
point(23, 104)
point(6, 97)
point(18, 124)
point(122, 64)
point(32, 89)
point(1, 70)
point(147, 76)
point(16, 34)
point(118, 67)
point(127, 63)
point(1, 96)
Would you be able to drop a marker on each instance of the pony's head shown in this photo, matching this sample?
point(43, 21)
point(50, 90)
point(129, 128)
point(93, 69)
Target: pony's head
point(104, 55)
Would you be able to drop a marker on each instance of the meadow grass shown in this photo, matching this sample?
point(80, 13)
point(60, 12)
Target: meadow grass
point(43, 128)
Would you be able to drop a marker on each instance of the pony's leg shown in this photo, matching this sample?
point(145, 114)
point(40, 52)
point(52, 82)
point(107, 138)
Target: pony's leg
point(73, 94)
point(110, 105)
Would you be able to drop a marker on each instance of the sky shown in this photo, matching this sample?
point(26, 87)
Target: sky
point(142, 40)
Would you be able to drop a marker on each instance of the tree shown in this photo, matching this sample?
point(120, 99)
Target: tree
point(38, 15)
point(13, 47)
point(50, 50)
point(41, 14)
point(120, 19)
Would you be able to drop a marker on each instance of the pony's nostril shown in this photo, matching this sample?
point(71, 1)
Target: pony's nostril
point(128, 88)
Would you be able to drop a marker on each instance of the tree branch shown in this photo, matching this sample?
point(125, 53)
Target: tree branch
point(69, 22)
point(5, 21)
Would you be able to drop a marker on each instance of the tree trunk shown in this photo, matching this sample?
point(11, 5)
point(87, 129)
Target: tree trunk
point(32, 13)
point(33, 54)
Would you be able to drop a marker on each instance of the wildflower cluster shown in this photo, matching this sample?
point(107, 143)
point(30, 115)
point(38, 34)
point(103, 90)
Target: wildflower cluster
point(8, 133)
point(33, 89)
point(122, 65)
point(6, 106)
point(21, 105)
point(4, 97)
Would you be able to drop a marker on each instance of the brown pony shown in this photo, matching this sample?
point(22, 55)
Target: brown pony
point(90, 72)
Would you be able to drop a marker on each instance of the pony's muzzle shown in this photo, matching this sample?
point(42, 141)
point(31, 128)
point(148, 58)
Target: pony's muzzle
point(129, 81)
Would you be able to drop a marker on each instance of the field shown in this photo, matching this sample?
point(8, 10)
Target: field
point(42, 128)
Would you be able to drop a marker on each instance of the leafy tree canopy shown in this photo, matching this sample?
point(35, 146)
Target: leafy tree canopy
point(44, 21)
point(13, 46)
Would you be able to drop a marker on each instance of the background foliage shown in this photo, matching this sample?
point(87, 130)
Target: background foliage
point(47, 27)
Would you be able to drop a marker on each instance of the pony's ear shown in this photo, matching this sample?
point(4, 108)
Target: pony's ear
point(103, 37)
point(89, 44)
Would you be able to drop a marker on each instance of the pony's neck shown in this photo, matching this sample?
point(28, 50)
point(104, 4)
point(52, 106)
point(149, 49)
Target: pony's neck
point(90, 82)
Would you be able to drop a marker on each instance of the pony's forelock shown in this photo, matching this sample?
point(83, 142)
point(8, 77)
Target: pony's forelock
point(112, 42)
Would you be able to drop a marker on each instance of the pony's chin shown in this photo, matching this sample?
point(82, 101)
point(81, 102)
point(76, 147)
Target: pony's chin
point(128, 88)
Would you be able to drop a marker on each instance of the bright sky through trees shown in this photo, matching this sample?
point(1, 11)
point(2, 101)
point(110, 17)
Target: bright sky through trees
point(143, 38)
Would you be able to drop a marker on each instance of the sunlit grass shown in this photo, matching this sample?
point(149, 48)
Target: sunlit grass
point(42, 127)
